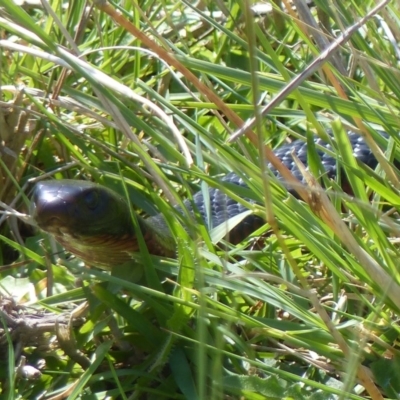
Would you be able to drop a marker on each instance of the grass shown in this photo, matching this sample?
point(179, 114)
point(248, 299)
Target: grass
point(145, 101)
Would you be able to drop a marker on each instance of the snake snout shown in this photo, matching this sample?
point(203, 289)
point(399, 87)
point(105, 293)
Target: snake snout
point(56, 206)
point(49, 212)
point(47, 216)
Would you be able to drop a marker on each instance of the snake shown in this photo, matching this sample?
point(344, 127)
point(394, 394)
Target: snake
point(95, 223)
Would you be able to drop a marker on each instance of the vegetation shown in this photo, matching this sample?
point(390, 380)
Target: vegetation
point(145, 99)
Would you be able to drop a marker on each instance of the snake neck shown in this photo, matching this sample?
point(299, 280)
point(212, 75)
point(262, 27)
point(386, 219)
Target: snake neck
point(108, 251)
point(157, 236)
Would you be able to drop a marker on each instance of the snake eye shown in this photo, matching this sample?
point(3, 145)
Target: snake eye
point(92, 199)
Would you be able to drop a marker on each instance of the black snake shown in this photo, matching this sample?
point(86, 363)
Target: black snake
point(95, 223)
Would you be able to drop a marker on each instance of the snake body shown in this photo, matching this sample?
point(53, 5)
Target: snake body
point(95, 223)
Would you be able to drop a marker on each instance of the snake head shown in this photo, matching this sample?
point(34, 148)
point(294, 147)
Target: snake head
point(94, 222)
point(79, 209)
